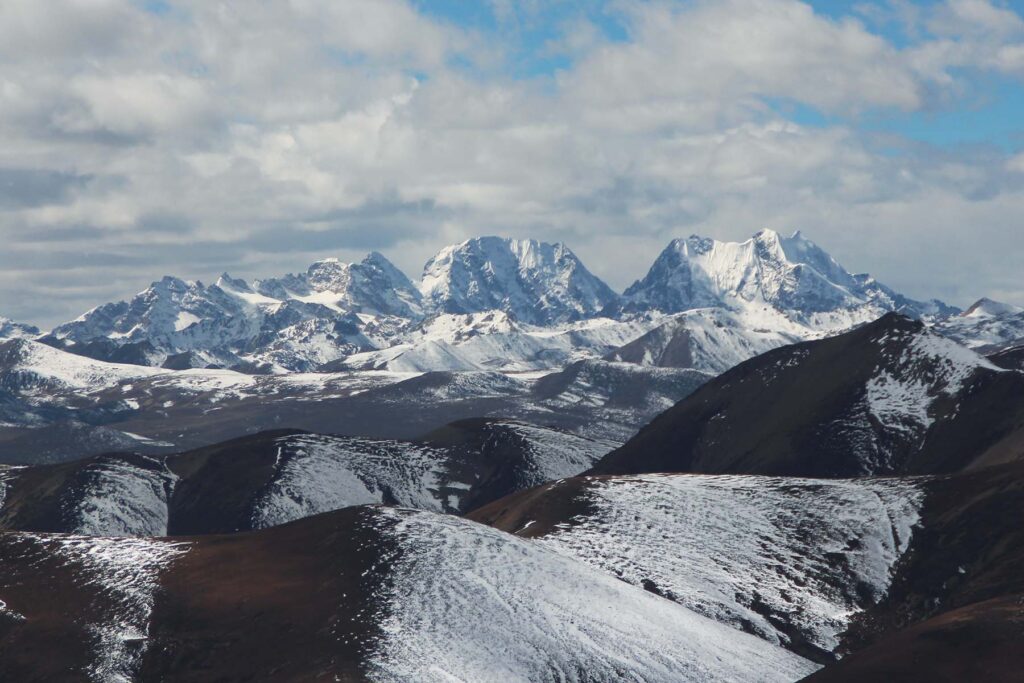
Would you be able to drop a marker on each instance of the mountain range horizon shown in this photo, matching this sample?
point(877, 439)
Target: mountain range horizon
point(798, 236)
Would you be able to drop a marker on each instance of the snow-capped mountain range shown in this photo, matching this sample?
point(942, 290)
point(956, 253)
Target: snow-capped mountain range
point(493, 303)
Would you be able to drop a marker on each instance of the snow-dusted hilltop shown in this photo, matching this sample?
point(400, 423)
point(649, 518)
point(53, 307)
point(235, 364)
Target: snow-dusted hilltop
point(535, 282)
point(745, 551)
point(890, 397)
point(987, 308)
point(12, 330)
point(790, 274)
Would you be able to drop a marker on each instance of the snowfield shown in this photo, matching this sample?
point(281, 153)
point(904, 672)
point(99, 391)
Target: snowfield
point(121, 499)
point(318, 473)
point(922, 369)
point(42, 367)
point(492, 340)
point(811, 553)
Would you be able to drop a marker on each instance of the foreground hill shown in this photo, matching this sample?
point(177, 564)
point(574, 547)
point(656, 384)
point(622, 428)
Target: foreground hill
point(788, 560)
point(887, 572)
point(360, 594)
point(980, 642)
point(889, 397)
point(276, 477)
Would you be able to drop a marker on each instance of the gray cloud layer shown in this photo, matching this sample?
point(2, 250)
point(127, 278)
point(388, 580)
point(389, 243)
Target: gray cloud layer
point(257, 137)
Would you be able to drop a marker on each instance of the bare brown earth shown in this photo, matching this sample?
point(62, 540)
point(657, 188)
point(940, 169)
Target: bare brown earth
point(980, 642)
point(293, 603)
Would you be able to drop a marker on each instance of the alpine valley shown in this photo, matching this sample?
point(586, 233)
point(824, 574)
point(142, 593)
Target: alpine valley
point(751, 465)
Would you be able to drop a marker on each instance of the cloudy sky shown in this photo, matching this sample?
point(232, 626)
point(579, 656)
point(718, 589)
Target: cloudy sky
point(192, 137)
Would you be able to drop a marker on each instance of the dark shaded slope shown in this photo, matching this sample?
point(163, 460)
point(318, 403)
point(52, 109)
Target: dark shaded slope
point(1011, 357)
point(666, 346)
point(498, 457)
point(967, 550)
point(57, 497)
point(293, 603)
point(889, 397)
point(980, 642)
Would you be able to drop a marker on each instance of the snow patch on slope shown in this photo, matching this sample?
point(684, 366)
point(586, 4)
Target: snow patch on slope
point(520, 612)
point(126, 573)
point(45, 364)
point(813, 553)
point(930, 366)
point(554, 454)
point(122, 499)
point(320, 473)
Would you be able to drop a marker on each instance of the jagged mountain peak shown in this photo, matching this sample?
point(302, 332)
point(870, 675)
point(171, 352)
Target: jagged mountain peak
point(171, 283)
point(225, 281)
point(374, 285)
point(791, 274)
point(379, 260)
point(536, 282)
point(12, 330)
point(329, 275)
